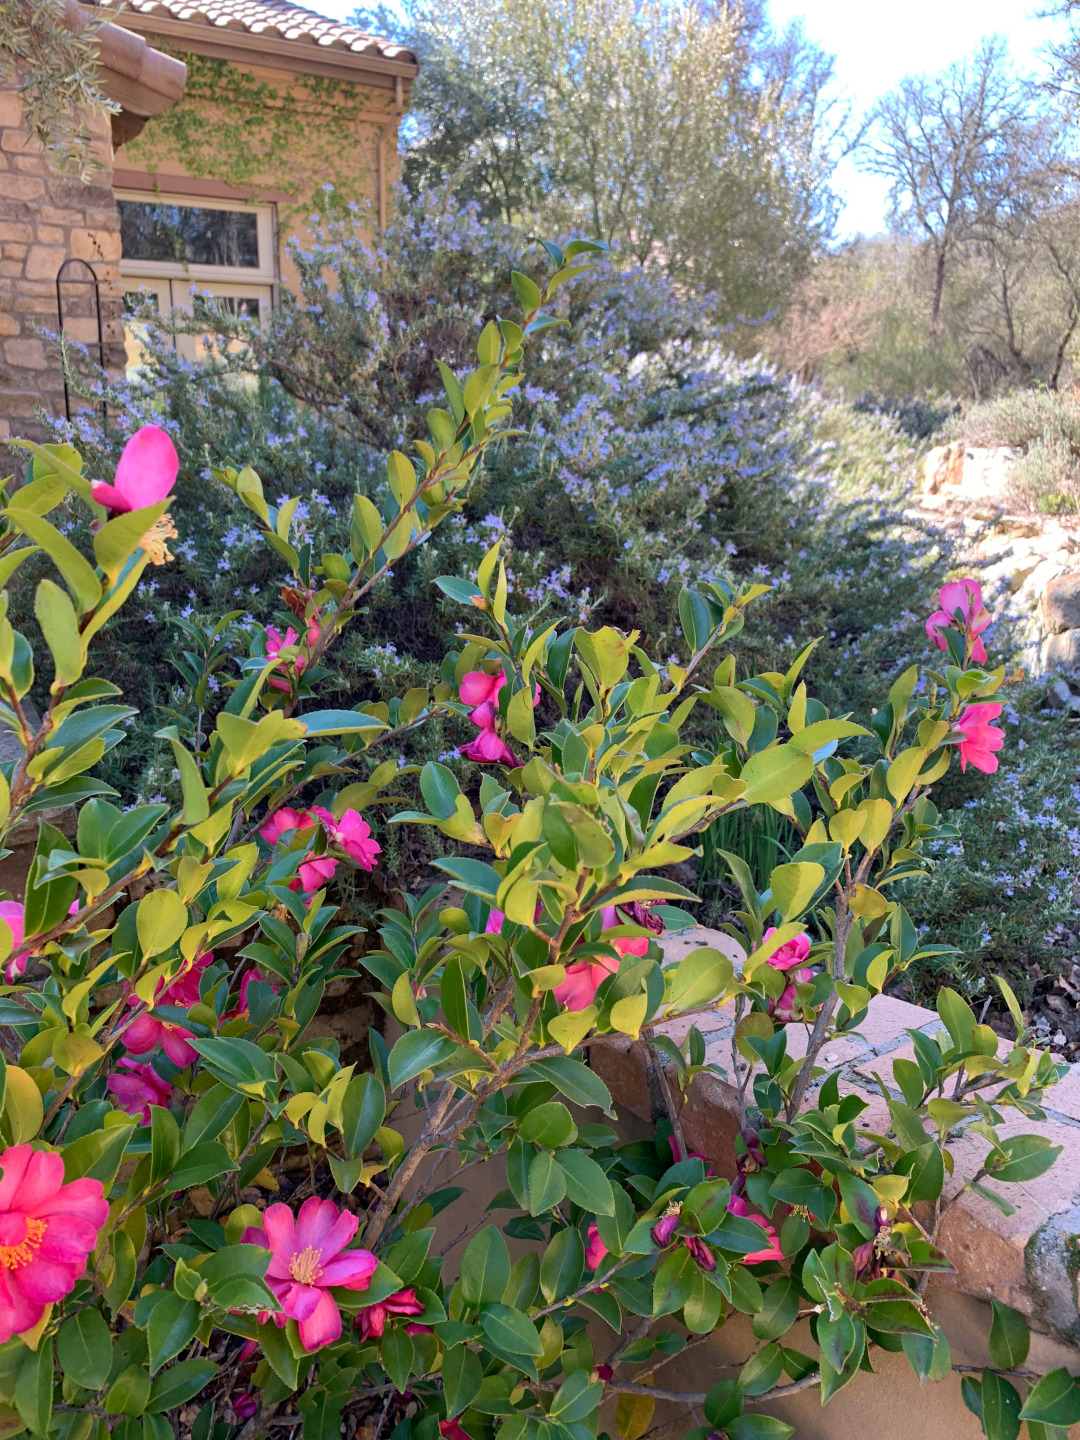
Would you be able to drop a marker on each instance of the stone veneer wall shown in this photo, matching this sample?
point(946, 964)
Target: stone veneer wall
point(45, 219)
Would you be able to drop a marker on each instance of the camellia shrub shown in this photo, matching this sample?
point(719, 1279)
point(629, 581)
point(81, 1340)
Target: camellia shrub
point(157, 1060)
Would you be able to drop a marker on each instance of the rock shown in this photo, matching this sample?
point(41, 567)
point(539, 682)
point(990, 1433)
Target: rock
point(1062, 698)
point(1059, 609)
point(943, 465)
point(1060, 652)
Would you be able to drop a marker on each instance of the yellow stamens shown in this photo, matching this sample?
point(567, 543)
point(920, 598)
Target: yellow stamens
point(12, 1256)
point(304, 1266)
point(153, 542)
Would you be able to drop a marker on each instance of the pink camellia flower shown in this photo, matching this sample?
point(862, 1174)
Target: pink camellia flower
point(137, 1087)
point(147, 1032)
point(352, 834)
point(13, 914)
point(703, 1256)
point(453, 1430)
point(371, 1321)
point(283, 822)
point(676, 1155)
point(595, 1250)
point(980, 740)
point(478, 688)
point(583, 979)
point(665, 1227)
point(489, 748)
point(249, 978)
point(244, 1405)
point(47, 1230)
point(145, 474)
point(790, 958)
point(962, 608)
point(494, 922)
point(309, 1259)
point(737, 1206)
point(605, 1373)
point(276, 642)
point(315, 872)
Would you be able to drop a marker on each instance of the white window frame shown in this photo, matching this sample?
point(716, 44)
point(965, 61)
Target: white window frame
point(264, 274)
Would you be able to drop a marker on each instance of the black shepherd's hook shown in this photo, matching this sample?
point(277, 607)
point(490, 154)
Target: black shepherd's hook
point(92, 279)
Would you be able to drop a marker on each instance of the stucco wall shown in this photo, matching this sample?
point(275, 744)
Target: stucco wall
point(46, 219)
point(343, 134)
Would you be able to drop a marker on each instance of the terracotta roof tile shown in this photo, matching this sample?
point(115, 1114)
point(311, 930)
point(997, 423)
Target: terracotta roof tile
point(274, 19)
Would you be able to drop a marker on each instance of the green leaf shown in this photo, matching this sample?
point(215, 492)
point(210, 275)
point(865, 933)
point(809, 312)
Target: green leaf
point(759, 1427)
point(674, 1281)
point(1000, 1407)
point(957, 1017)
point(550, 1125)
point(462, 1377)
point(417, 1051)
point(547, 1184)
point(1009, 1338)
point(440, 789)
point(930, 1356)
point(1055, 1400)
point(576, 1398)
point(794, 886)
point(118, 539)
point(563, 1265)
point(762, 1371)
point(34, 1388)
point(779, 1309)
point(129, 1392)
point(485, 1268)
point(178, 1384)
point(362, 1112)
point(398, 1357)
point(574, 1079)
point(84, 1349)
point(586, 1183)
point(775, 774)
point(172, 1324)
point(279, 1355)
point(160, 919)
point(1029, 1157)
point(698, 980)
point(60, 627)
point(339, 722)
point(77, 572)
point(510, 1330)
point(164, 1143)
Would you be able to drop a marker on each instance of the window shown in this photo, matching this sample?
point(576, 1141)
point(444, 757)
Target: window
point(178, 254)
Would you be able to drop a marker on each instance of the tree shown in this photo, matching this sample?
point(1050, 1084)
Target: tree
point(944, 143)
point(686, 135)
point(48, 51)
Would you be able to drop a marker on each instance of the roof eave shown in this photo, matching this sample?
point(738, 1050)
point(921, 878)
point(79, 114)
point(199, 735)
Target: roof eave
point(301, 57)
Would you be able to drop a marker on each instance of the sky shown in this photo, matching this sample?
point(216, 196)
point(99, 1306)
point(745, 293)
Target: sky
point(877, 43)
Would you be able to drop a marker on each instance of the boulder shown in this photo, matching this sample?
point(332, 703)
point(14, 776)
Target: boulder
point(1060, 652)
point(1059, 608)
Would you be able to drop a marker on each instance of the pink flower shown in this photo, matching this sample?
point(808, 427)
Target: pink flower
point(47, 1230)
point(283, 822)
point(315, 872)
point(478, 688)
point(371, 1321)
point(249, 978)
point(665, 1228)
point(737, 1206)
point(147, 1032)
point(352, 834)
point(489, 749)
point(962, 609)
point(145, 474)
point(139, 1087)
point(595, 1250)
point(791, 959)
point(583, 979)
point(980, 740)
point(13, 915)
point(276, 642)
point(245, 1405)
point(605, 1373)
point(494, 922)
point(692, 1155)
point(308, 1261)
point(703, 1256)
point(453, 1430)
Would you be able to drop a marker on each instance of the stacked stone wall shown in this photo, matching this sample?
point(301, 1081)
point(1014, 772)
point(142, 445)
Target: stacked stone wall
point(45, 219)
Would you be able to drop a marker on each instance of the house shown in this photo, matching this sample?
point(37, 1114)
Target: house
point(237, 120)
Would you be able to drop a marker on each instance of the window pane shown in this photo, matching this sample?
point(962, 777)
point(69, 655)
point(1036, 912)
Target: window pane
point(241, 307)
point(185, 234)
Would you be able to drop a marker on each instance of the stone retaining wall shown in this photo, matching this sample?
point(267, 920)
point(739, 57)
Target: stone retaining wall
point(1028, 1260)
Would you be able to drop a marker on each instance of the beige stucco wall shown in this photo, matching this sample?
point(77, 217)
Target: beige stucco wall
point(344, 134)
